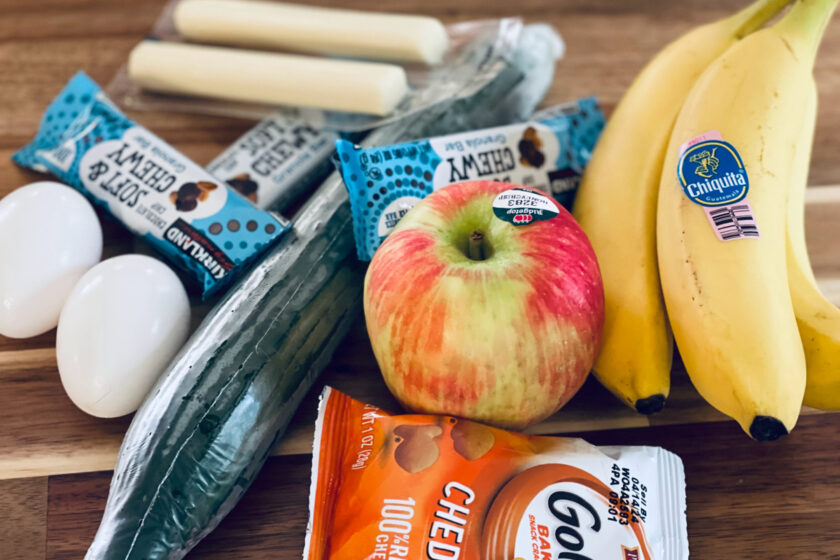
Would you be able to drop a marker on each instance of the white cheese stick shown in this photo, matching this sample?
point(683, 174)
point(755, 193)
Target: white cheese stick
point(278, 79)
point(330, 31)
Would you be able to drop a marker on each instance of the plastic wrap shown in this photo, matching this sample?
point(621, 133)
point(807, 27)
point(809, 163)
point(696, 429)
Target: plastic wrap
point(478, 52)
point(207, 427)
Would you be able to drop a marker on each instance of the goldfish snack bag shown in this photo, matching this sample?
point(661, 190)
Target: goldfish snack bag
point(424, 487)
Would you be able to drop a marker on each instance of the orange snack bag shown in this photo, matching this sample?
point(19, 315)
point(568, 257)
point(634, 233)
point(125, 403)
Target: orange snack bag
point(390, 487)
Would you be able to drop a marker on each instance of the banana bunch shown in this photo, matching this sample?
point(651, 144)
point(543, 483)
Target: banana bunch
point(817, 318)
point(693, 201)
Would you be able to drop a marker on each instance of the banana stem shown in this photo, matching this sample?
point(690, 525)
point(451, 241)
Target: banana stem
point(755, 15)
point(803, 26)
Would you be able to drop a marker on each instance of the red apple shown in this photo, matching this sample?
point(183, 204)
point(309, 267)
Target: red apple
point(502, 328)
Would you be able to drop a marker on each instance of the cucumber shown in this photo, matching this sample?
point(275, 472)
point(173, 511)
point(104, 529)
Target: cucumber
point(210, 422)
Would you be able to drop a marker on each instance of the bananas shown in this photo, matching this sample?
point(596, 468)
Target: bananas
point(817, 318)
point(616, 206)
point(737, 308)
point(755, 334)
point(729, 304)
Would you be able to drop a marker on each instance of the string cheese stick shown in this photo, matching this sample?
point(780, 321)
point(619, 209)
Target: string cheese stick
point(280, 79)
point(275, 25)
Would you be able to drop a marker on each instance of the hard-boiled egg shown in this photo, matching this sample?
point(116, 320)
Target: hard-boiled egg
point(49, 237)
point(122, 324)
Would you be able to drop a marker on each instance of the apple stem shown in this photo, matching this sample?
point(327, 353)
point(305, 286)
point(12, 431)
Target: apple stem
point(477, 246)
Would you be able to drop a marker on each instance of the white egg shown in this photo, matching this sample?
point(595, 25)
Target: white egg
point(122, 324)
point(49, 237)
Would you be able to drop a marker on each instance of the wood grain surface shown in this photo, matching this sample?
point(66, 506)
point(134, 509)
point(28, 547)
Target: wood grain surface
point(746, 500)
point(65, 440)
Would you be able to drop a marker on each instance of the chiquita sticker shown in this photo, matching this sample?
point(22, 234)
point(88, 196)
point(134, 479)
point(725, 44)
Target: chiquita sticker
point(712, 174)
point(521, 207)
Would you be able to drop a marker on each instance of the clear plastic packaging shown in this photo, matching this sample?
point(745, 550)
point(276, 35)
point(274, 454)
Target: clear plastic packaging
point(283, 157)
point(478, 49)
point(183, 466)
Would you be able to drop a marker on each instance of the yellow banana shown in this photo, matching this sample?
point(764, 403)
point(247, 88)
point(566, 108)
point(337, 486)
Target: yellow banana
point(798, 262)
point(728, 301)
point(616, 206)
point(818, 319)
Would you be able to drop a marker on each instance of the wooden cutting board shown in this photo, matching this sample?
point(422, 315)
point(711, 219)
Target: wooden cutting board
point(43, 433)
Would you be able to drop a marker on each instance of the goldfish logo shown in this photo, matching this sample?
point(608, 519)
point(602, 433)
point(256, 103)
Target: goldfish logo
point(707, 163)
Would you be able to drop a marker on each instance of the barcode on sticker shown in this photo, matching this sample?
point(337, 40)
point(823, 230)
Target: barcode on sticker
point(733, 222)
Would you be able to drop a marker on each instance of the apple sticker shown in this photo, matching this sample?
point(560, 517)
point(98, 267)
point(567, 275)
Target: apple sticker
point(521, 207)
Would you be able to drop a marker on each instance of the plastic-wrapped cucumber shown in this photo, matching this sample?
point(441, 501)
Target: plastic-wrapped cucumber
point(209, 424)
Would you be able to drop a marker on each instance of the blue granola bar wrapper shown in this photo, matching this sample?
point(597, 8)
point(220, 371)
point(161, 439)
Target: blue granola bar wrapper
point(276, 161)
point(201, 225)
point(549, 153)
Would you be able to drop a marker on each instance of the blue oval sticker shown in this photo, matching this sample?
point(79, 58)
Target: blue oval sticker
point(712, 173)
